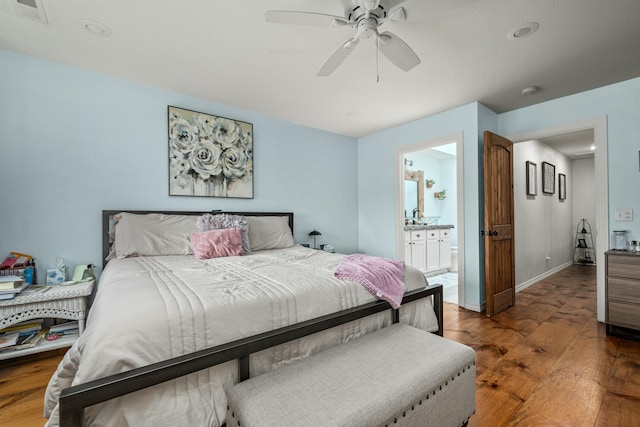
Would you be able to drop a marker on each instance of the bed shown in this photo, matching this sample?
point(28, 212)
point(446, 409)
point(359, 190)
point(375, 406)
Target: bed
point(158, 308)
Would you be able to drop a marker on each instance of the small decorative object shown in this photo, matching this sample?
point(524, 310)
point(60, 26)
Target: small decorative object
point(430, 183)
point(209, 156)
point(440, 195)
point(532, 182)
point(562, 186)
point(83, 273)
point(315, 234)
point(57, 274)
point(548, 178)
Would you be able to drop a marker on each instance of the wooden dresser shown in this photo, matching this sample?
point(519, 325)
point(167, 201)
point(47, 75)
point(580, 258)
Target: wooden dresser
point(623, 293)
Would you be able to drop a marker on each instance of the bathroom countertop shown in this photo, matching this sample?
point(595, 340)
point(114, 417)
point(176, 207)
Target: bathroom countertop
point(409, 227)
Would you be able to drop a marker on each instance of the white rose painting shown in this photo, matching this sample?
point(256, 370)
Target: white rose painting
point(209, 156)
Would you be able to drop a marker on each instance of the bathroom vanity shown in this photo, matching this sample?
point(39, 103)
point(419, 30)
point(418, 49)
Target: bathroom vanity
point(428, 247)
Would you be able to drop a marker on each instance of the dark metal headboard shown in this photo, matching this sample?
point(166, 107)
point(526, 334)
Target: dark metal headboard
point(107, 214)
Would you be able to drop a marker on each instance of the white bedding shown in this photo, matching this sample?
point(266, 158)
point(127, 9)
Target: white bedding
point(149, 309)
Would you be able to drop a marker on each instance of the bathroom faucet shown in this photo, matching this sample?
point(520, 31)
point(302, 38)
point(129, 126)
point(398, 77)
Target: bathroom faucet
point(415, 211)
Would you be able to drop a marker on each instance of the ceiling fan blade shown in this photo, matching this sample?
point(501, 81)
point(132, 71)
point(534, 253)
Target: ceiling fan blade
point(303, 18)
point(397, 51)
point(337, 57)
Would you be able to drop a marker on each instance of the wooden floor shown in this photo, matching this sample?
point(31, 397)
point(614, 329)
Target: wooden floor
point(547, 362)
point(544, 362)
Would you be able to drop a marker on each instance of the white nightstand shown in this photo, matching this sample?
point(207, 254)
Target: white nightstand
point(54, 301)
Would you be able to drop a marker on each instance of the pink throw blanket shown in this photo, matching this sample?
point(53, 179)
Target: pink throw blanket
point(383, 278)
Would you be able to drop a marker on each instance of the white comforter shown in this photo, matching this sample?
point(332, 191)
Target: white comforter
point(150, 309)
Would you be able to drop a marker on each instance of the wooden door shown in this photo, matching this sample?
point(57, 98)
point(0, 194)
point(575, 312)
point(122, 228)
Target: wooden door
point(498, 223)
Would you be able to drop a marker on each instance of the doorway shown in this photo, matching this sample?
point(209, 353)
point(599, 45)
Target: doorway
point(600, 222)
point(441, 162)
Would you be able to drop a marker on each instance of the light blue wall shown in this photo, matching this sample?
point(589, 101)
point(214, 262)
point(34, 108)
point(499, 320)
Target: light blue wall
point(377, 186)
point(74, 142)
point(621, 104)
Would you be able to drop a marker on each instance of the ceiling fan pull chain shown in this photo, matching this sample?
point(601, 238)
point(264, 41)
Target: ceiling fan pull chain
point(377, 63)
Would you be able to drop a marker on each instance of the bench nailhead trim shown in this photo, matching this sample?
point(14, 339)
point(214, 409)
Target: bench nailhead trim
point(433, 393)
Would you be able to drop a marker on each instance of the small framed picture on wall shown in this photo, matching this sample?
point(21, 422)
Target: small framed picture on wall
point(548, 178)
point(562, 186)
point(532, 181)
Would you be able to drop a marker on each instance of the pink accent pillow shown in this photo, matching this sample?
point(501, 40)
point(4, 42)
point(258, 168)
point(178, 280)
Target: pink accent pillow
point(217, 243)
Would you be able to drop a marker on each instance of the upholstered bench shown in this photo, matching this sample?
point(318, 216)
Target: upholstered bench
point(398, 375)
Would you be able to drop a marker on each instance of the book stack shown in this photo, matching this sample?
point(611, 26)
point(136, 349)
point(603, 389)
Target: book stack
point(62, 330)
point(23, 335)
point(10, 286)
point(15, 260)
point(21, 265)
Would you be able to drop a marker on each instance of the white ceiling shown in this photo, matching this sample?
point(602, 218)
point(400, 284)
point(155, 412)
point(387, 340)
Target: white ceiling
point(574, 145)
point(224, 51)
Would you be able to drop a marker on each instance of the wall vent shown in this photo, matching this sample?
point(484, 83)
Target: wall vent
point(31, 9)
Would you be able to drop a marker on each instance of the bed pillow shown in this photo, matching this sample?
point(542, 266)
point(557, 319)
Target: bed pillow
point(217, 243)
point(269, 232)
point(153, 234)
point(209, 222)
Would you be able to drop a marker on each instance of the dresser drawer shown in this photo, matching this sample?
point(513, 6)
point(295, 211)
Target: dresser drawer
point(622, 314)
point(624, 266)
point(620, 289)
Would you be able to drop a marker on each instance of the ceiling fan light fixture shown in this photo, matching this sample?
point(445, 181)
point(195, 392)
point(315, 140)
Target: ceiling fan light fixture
point(398, 15)
point(370, 4)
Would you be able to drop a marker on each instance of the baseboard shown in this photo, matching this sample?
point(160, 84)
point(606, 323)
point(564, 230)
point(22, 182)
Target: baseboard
point(533, 281)
point(477, 308)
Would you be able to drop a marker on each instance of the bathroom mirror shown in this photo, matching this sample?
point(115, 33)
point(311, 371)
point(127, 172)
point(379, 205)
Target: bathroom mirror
point(410, 197)
point(414, 193)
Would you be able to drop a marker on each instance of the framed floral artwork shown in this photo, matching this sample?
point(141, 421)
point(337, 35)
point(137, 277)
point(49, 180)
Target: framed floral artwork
point(209, 156)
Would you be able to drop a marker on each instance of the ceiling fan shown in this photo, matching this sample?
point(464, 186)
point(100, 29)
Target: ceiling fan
point(365, 16)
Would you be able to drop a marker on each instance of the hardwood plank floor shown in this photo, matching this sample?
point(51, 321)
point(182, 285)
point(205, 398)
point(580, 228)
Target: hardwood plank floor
point(22, 385)
point(547, 362)
point(544, 362)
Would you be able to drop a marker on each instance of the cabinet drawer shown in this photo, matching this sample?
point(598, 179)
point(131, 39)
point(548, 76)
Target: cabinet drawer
point(418, 235)
point(624, 266)
point(626, 315)
point(445, 234)
point(623, 290)
point(433, 234)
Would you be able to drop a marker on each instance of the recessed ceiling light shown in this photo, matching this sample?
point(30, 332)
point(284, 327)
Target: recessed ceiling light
point(530, 90)
point(94, 27)
point(523, 31)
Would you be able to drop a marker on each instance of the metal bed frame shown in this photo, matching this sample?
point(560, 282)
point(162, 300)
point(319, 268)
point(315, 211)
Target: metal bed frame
point(74, 400)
